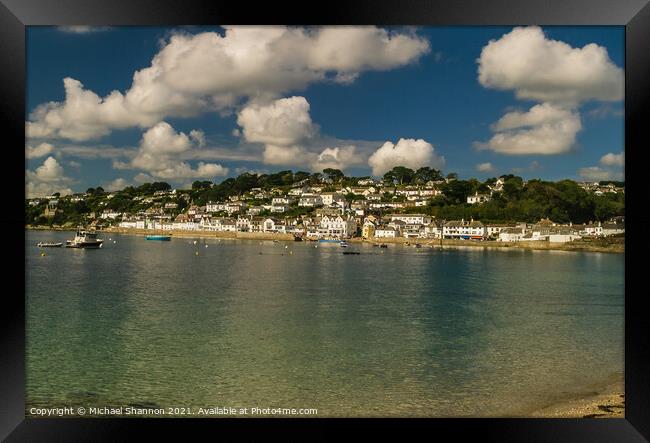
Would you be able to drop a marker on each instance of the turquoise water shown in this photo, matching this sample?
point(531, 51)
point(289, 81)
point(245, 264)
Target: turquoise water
point(391, 332)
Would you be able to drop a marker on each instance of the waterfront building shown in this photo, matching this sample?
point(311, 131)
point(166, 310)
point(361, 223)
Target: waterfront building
point(386, 232)
point(461, 229)
point(434, 229)
point(338, 227)
point(613, 228)
point(368, 229)
point(511, 234)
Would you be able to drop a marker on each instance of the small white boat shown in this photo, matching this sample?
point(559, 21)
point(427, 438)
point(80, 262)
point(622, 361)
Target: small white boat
point(49, 245)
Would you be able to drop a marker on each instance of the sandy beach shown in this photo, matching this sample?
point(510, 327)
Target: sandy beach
point(607, 402)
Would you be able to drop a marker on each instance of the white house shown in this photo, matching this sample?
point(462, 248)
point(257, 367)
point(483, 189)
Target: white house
point(229, 225)
point(613, 228)
point(282, 201)
point(562, 237)
point(594, 229)
point(386, 232)
point(411, 219)
point(464, 230)
point(130, 224)
point(243, 224)
point(511, 234)
point(434, 229)
point(477, 198)
point(493, 230)
point(215, 207)
point(298, 191)
point(498, 185)
point(268, 225)
point(331, 197)
point(110, 214)
point(279, 208)
point(310, 200)
point(339, 227)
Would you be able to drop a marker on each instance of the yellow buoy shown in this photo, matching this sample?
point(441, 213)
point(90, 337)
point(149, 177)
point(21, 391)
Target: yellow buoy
point(42, 254)
point(206, 246)
point(196, 253)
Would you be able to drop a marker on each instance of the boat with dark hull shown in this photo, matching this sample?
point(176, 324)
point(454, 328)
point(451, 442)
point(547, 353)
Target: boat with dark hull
point(84, 240)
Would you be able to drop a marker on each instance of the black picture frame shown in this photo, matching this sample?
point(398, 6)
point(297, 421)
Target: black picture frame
point(16, 14)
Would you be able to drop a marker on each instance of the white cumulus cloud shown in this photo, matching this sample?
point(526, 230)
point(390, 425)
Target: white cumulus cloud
point(116, 185)
point(596, 173)
point(40, 150)
point(338, 157)
point(208, 71)
point(544, 129)
point(290, 137)
point(407, 152)
point(553, 73)
point(159, 155)
point(546, 70)
point(283, 122)
point(47, 179)
point(485, 167)
point(612, 159)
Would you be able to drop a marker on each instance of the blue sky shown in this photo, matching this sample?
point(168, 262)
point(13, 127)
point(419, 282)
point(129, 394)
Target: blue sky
point(548, 104)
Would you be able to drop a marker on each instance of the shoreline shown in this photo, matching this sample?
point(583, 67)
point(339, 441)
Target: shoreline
point(605, 402)
point(432, 243)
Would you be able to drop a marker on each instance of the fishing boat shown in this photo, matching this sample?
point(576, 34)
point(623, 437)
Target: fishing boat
point(84, 239)
point(383, 245)
point(49, 245)
point(159, 237)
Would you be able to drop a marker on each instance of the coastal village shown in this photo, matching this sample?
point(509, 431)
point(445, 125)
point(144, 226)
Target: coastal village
point(306, 210)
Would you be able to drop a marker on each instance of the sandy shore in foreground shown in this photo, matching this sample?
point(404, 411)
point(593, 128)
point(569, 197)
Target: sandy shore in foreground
point(608, 402)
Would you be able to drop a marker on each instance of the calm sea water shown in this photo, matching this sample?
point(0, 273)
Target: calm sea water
point(391, 332)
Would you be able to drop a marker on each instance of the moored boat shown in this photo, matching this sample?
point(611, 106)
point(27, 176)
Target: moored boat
point(49, 245)
point(159, 237)
point(84, 239)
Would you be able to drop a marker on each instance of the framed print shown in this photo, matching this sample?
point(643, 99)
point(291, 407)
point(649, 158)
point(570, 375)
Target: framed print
point(375, 216)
